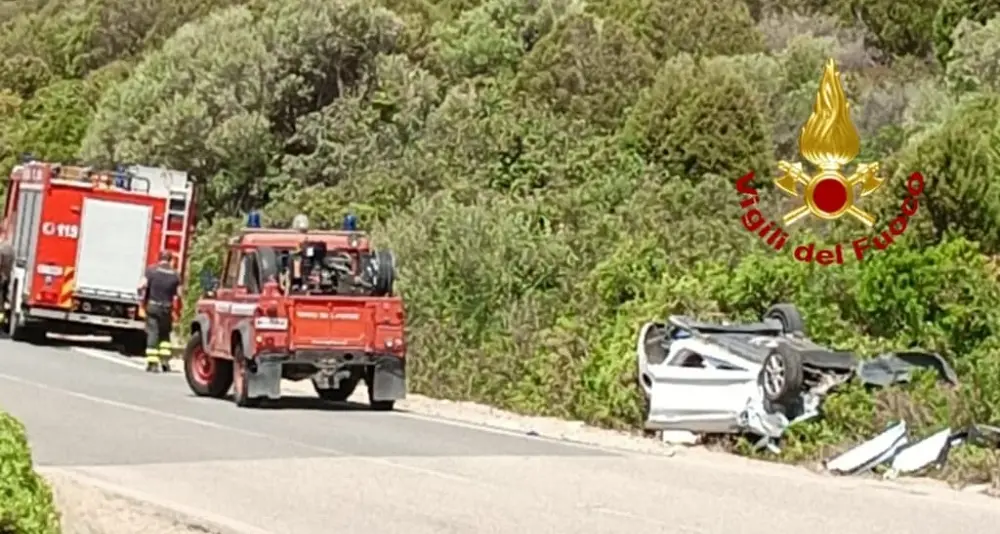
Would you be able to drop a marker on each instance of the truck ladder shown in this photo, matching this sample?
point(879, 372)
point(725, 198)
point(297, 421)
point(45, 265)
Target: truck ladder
point(178, 205)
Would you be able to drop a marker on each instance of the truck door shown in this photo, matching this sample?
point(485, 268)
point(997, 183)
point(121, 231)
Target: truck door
point(232, 291)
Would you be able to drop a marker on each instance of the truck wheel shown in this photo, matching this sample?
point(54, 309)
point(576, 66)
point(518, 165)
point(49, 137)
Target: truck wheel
point(19, 330)
point(376, 405)
point(134, 344)
point(205, 375)
point(338, 394)
point(240, 392)
point(380, 269)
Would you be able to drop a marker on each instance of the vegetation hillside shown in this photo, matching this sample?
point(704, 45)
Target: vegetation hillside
point(552, 173)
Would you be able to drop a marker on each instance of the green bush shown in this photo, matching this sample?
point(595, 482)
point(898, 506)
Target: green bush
point(958, 160)
point(26, 505)
point(698, 27)
point(701, 117)
point(950, 14)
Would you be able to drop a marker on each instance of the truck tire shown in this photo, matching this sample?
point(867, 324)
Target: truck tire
point(239, 377)
point(23, 332)
point(133, 344)
point(376, 405)
point(338, 394)
point(380, 269)
point(205, 375)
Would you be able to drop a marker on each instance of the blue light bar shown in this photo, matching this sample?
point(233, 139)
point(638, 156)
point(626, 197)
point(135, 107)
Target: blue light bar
point(350, 222)
point(121, 177)
point(253, 219)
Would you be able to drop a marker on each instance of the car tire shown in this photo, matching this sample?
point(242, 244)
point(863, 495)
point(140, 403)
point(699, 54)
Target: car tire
point(206, 376)
point(782, 376)
point(792, 321)
point(338, 394)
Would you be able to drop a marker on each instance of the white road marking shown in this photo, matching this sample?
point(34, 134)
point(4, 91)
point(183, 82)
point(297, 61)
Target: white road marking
point(108, 357)
point(217, 426)
point(483, 427)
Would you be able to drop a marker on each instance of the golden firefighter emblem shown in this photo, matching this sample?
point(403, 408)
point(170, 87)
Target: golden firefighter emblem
point(829, 141)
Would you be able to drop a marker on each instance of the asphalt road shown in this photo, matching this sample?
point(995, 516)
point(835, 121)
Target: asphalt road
point(306, 467)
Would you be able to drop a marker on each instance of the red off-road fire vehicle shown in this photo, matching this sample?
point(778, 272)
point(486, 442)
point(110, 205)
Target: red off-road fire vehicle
point(295, 304)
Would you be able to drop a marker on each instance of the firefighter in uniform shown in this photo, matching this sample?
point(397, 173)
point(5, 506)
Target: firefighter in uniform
point(158, 288)
point(6, 270)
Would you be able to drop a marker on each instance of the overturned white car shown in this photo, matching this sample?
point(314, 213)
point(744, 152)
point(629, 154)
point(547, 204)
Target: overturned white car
point(735, 378)
point(753, 378)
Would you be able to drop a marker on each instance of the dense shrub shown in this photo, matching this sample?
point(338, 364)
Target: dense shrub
point(699, 117)
point(25, 498)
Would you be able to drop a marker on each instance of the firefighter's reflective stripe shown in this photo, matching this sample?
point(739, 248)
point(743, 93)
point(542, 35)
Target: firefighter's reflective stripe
point(165, 349)
point(68, 287)
point(153, 355)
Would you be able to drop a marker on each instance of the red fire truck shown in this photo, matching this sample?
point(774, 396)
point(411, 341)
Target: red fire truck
point(82, 240)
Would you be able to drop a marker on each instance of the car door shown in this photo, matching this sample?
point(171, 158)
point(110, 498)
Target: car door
point(700, 390)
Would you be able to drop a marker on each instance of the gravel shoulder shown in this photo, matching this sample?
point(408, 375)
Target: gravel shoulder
point(87, 509)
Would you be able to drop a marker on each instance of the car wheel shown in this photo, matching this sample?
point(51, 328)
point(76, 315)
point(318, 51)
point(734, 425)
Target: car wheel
point(205, 375)
point(791, 319)
point(782, 375)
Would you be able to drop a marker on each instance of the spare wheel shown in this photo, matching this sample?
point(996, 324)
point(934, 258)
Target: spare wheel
point(381, 271)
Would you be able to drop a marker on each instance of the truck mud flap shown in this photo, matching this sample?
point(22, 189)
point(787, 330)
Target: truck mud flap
point(266, 382)
point(389, 379)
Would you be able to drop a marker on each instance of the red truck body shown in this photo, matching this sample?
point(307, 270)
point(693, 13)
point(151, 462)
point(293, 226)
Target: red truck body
point(252, 333)
point(82, 240)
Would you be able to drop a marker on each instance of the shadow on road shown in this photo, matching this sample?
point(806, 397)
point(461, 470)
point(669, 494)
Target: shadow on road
point(312, 403)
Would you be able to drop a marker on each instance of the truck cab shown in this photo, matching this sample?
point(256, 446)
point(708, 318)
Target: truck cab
point(299, 304)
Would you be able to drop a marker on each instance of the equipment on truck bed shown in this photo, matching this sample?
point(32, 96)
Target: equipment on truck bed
point(82, 239)
point(296, 303)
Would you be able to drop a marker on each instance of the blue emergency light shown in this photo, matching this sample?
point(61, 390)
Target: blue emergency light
point(350, 222)
point(253, 219)
point(121, 177)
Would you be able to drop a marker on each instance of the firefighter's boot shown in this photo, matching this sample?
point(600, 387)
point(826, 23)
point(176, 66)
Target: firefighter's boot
point(165, 352)
point(152, 360)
